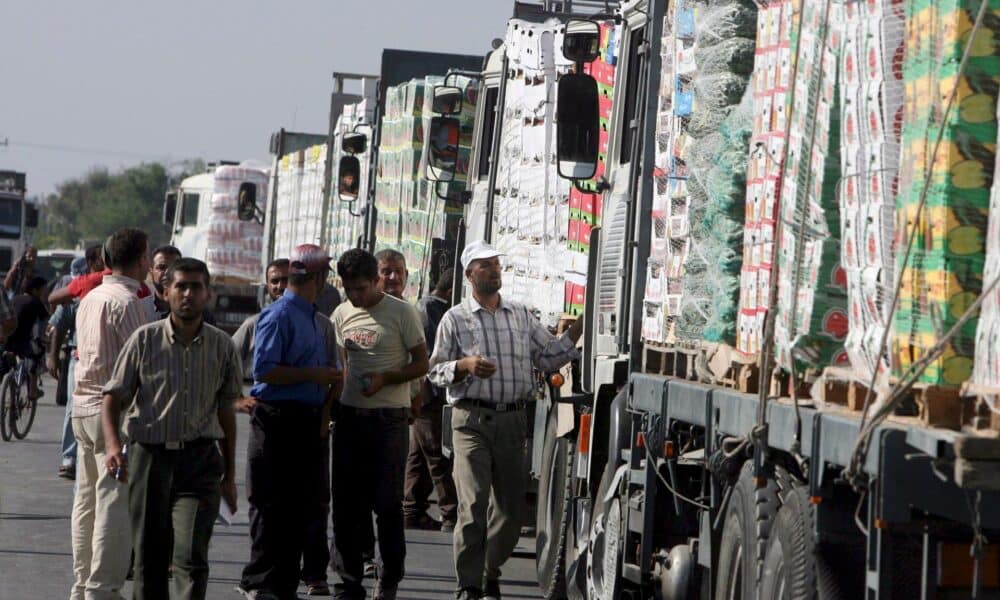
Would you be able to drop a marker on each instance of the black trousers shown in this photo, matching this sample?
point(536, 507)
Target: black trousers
point(316, 551)
point(369, 459)
point(173, 502)
point(284, 457)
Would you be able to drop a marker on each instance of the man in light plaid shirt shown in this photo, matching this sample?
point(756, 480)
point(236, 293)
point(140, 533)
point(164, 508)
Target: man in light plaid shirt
point(484, 355)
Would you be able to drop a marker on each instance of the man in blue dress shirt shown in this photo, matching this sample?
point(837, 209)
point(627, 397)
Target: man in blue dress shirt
point(294, 387)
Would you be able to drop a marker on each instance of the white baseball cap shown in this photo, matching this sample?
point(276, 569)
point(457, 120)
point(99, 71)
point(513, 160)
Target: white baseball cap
point(478, 250)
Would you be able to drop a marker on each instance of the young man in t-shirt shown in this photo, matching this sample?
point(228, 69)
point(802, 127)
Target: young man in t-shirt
point(383, 349)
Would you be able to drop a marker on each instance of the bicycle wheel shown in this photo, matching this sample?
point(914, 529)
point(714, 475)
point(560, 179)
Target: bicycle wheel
point(24, 416)
point(6, 408)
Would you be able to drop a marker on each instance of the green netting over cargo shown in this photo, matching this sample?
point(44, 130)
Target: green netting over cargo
point(715, 154)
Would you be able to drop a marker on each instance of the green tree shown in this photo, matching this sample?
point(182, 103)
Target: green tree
point(94, 206)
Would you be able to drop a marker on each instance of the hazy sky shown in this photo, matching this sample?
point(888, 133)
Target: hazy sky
point(196, 79)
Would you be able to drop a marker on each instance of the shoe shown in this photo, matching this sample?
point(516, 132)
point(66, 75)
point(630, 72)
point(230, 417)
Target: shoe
point(468, 594)
point(317, 588)
point(384, 592)
point(491, 591)
point(448, 526)
point(370, 568)
point(67, 472)
point(424, 521)
point(256, 594)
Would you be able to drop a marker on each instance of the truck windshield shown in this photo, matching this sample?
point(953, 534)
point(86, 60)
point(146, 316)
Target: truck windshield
point(10, 217)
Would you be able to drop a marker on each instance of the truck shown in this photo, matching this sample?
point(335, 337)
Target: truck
point(17, 216)
point(309, 199)
point(735, 431)
point(209, 221)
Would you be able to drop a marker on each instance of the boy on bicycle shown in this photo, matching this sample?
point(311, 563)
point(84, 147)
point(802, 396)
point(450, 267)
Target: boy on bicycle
point(29, 310)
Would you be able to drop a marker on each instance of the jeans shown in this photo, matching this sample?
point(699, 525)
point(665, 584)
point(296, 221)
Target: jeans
point(68, 439)
point(284, 456)
point(369, 460)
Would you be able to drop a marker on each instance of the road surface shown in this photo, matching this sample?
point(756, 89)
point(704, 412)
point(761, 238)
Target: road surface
point(35, 552)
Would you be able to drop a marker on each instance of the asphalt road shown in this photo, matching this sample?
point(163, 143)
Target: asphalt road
point(36, 557)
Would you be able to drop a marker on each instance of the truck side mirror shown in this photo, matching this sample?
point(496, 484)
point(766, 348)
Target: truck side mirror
point(577, 126)
point(582, 41)
point(447, 100)
point(246, 208)
point(31, 216)
point(169, 208)
point(354, 143)
point(442, 148)
point(348, 178)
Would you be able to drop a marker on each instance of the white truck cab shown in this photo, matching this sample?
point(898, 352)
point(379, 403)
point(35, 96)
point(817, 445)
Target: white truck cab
point(203, 213)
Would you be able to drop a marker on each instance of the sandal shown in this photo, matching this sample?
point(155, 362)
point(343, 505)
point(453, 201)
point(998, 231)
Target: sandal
point(317, 588)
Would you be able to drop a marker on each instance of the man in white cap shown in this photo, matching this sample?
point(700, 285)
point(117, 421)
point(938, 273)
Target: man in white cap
point(484, 355)
point(293, 384)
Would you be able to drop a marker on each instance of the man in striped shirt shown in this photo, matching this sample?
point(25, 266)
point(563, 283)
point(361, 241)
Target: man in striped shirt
point(486, 350)
point(178, 379)
point(106, 318)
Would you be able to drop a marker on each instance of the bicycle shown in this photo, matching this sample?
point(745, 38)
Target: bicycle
point(17, 404)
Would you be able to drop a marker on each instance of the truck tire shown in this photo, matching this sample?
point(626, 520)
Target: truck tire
point(554, 513)
point(789, 565)
point(749, 517)
point(796, 567)
point(604, 550)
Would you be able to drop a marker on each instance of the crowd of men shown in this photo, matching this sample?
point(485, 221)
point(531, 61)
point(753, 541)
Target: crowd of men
point(345, 415)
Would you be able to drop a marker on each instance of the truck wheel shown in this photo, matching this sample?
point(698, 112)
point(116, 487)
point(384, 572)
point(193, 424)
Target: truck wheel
point(749, 517)
point(604, 551)
point(797, 568)
point(789, 565)
point(553, 514)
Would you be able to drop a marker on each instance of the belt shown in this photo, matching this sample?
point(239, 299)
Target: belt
point(495, 406)
point(374, 412)
point(179, 445)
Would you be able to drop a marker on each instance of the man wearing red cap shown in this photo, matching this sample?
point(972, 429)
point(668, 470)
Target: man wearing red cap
point(293, 385)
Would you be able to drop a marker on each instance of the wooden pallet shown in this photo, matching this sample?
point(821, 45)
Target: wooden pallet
point(842, 387)
point(670, 361)
point(984, 418)
point(714, 364)
point(937, 406)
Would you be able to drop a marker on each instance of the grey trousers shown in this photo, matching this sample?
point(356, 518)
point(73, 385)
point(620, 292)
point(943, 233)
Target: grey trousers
point(489, 449)
point(173, 502)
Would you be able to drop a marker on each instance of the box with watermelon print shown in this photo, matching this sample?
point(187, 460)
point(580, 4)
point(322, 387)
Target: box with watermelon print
point(944, 273)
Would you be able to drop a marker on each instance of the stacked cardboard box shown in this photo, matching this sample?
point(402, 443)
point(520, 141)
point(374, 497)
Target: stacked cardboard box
point(771, 82)
point(532, 207)
point(986, 369)
point(871, 94)
point(584, 202)
point(670, 225)
point(945, 271)
point(811, 322)
point(410, 211)
point(234, 246)
point(299, 202)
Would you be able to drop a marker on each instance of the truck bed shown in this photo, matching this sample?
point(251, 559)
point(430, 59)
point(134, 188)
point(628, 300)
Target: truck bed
point(912, 465)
